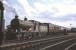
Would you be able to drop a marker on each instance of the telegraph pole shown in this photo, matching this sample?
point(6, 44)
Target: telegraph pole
point(1, 16)
point(1, 21)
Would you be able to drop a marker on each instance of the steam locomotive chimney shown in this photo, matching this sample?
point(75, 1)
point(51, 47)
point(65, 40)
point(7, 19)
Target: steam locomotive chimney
point(16, 16)
point(25, 19)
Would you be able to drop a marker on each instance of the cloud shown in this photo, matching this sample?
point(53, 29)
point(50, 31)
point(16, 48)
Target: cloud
point(53, 11)
point(47, 15)
point(65, 9)
point(40, 7)
point(58, 7)
point(27, 7)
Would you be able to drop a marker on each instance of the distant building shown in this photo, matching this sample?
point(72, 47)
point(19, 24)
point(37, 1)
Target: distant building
point(73, 29)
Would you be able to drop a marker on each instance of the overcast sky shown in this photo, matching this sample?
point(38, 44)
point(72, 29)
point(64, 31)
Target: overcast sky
point(59, 12)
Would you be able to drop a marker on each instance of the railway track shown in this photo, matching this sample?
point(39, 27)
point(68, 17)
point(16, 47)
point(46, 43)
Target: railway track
point(71, 47)
point(60, 45)
point(37, 44)
point(44, 45)
point(66, 44)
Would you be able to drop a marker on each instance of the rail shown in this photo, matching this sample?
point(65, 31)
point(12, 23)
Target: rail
point(16, 40)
